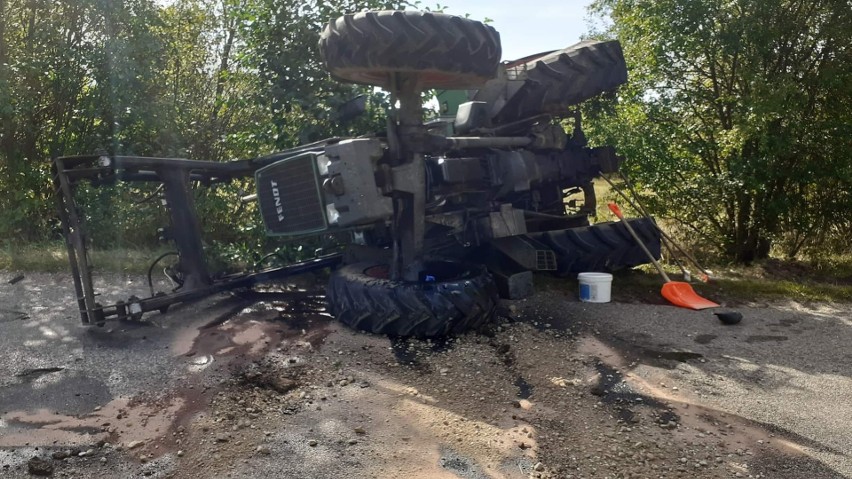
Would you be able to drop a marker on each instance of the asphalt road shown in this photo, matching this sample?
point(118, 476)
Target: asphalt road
point(769, 397)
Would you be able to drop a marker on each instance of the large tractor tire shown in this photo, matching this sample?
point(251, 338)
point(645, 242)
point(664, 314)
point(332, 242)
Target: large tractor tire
point(554, 82)
point(602, 246)
point(443, 50)
point(457, 298)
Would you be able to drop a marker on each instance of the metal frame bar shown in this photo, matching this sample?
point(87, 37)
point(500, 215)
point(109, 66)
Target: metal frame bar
point(175, 174)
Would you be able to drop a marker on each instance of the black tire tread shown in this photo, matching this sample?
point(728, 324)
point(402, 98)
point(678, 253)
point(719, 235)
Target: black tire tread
point(564, 78)
point(456, 52)
point(396, 308)
point(602, 246)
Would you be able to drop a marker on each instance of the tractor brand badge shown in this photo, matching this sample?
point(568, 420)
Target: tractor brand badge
point(278, 208)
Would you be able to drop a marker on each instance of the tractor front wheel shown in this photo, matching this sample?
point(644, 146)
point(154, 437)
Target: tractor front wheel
point(451, 299)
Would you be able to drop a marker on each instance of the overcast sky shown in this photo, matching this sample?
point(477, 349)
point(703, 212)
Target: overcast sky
point(527, 27)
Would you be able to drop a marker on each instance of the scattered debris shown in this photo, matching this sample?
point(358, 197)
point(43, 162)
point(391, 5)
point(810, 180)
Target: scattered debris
point(134, 444)
point(39, 467)
point(729, 317)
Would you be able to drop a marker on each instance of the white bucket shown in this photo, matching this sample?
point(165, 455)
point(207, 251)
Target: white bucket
point(595, 287)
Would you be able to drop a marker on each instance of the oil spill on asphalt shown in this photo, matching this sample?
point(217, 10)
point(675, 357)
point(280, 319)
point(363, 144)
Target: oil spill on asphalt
point(460, 465)
point(525, 389)
point(613, 389)
point(664, 359)
point(30, 375)
point(705, 338)
point(249, 328)
point(245, 332)
point(406, 350)
point(765, 339)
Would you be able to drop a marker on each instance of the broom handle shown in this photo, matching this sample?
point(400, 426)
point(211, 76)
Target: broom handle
point(614, 208)
point(642, 209)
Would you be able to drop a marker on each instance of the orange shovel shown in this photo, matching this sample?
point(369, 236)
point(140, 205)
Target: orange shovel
point(678, 293)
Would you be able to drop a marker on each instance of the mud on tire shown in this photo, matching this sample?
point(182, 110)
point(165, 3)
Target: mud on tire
point(602, 246)
point(446, 51)
point(462, 298)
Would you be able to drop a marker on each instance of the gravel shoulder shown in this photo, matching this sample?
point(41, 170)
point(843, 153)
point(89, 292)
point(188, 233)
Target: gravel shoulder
point(555, 388)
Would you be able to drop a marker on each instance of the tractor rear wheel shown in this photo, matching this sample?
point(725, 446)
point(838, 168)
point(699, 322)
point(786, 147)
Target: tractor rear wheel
point(556, 81)
point(444, 51)
point(453, 299)
point(602, 246)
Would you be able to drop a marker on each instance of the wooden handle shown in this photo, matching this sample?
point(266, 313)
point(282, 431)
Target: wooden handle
point(614, 208)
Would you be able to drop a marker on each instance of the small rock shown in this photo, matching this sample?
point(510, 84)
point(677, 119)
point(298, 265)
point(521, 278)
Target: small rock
point(443, 371)
point(103, 460)
point(282, 385)
point(312, 443)
point(180, 453)
point(134, 444)
point(538, 467)
point(221, 438)
point(60, 455)
point(39, 467)
point(360, 430)
point(264, 450)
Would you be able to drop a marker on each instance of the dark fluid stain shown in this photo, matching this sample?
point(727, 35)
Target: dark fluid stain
point(306, 315)
point(460, 465)
point(407, 350)
point(14, 423)
point(765, 339)
point(441, 344)
point(84, 430)
point(612, 388)
point(456, 464)
point(35, 373)
point(404, 351)
point(627, 415)
point(668, 416)
point(679, 356)
point(705, 338)
point(525, 389)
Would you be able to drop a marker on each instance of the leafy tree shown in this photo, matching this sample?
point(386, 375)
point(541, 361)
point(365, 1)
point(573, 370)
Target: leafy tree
point(75, 76)
point(201, 79)
point(282, 47)
point(737, 117)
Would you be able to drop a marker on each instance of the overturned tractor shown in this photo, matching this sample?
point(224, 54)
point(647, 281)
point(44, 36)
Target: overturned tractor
point(442, 216)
